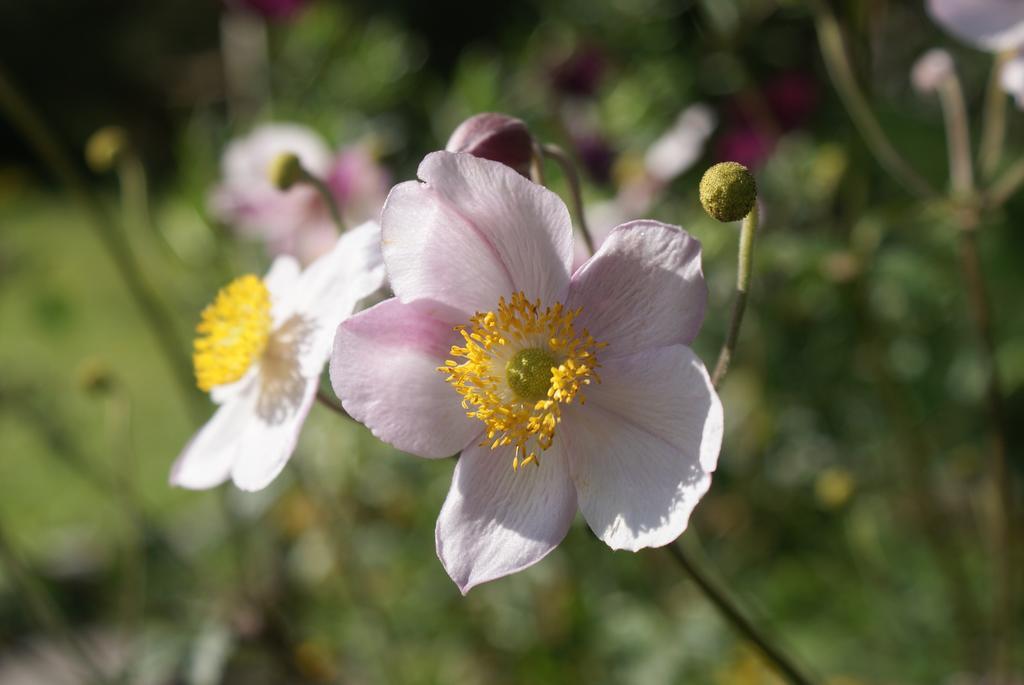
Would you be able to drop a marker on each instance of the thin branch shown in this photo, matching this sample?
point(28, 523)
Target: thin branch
point(737, 618)
point(744, 264)
point(572, 177)
point(993, 128)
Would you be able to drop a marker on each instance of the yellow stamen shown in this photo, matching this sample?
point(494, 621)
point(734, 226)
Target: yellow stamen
point(500, 381)
point(233, 332)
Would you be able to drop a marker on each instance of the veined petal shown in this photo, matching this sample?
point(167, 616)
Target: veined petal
point(992, 25)
point(209, 456)
point(497, 520)
point(474, 231)
point(643, 447)
point(384, 370)
point(268, 439)
point(643, 289)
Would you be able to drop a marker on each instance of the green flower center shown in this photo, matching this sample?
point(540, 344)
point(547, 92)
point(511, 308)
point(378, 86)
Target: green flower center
point(529, 373)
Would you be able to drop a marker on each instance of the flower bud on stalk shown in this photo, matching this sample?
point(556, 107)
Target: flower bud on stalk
point(105, 147)
point(728, 191)
point(497, 137)
point(285, 171)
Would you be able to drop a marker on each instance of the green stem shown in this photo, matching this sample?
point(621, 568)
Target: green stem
point(326, 195)
point(572, 177)
point(958, 137)
point(737, 618)
point(833, 50)
point(1001, 474)
point(1006, 185)
point(993, 129)
point(324, 399)
point(31, 126)
point(744, 264)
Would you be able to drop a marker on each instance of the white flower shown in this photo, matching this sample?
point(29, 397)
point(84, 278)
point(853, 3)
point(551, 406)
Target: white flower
point(261, 348)
point(931, 69)
point(991, 25)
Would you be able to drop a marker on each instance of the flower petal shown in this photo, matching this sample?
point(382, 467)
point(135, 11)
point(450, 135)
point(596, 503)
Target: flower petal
point(993, 25)
point(283, 274)
point(384, 369)
point(643, 447)
point(497, 520)
point(268, 439)
point(474, 231)
point(643, 289)
point(326, 294)
point(209, 456)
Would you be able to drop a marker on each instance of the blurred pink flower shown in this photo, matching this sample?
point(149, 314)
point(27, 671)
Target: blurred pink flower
point(991, 25)
point(1012, 79)
point(275, 10)
point(262, 347)
point(479, 259)
point(294, 221)
point(581, 73)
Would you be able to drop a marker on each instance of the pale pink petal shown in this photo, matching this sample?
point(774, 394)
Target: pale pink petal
point(643, 447)
point(384, 370)
point(643, 289)
point(1012, 80)
point(268, 439)
point(497, 520)
point(992, 25)
point(474, 231)
point(209, 456)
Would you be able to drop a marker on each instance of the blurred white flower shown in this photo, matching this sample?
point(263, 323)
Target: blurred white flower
point(261, 348)
point(1012, 79)
point(931, 69)
point(990, 25)
point(681, 146)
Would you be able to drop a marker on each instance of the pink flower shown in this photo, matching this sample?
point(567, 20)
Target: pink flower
point(497, 137)
point(490, 347)
point(274, 10)
point(295, 221)
point(991, 25)
point(262, 346)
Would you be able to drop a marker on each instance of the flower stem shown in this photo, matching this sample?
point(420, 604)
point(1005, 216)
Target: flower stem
point(1001, 474)
point(833, 50)
point(26, 120)
point(324, 399)
point(958, 137)
point(737, 618)
point(1006, 185)
point(993, 129)
point(743, 268)
point(326, 195)
point(572, 177)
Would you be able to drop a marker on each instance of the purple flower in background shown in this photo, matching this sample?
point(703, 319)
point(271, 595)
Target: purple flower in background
point(990, 25)
point(274, 10)
point(580, 75)
point(596, 156)
point(490, 345)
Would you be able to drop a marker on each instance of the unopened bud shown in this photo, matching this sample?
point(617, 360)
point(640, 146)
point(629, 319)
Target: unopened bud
point(95, 377)
point(728, 191)
point(285, 170)
point(931, 69)
point(105, 147)
point(497, 137)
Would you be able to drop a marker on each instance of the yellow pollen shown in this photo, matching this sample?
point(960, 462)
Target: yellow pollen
point(496, 372)
point(232, 332)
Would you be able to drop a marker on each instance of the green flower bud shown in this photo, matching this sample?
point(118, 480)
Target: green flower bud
point(728, 191)
point(285, 171)
point(104, 148)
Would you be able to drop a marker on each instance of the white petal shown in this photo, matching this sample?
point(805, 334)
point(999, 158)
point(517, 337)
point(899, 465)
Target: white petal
point(208, 457)
point(497, 521)
point(643, 447)
point(282, 276)
point(268, 439)
point(993, 25)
